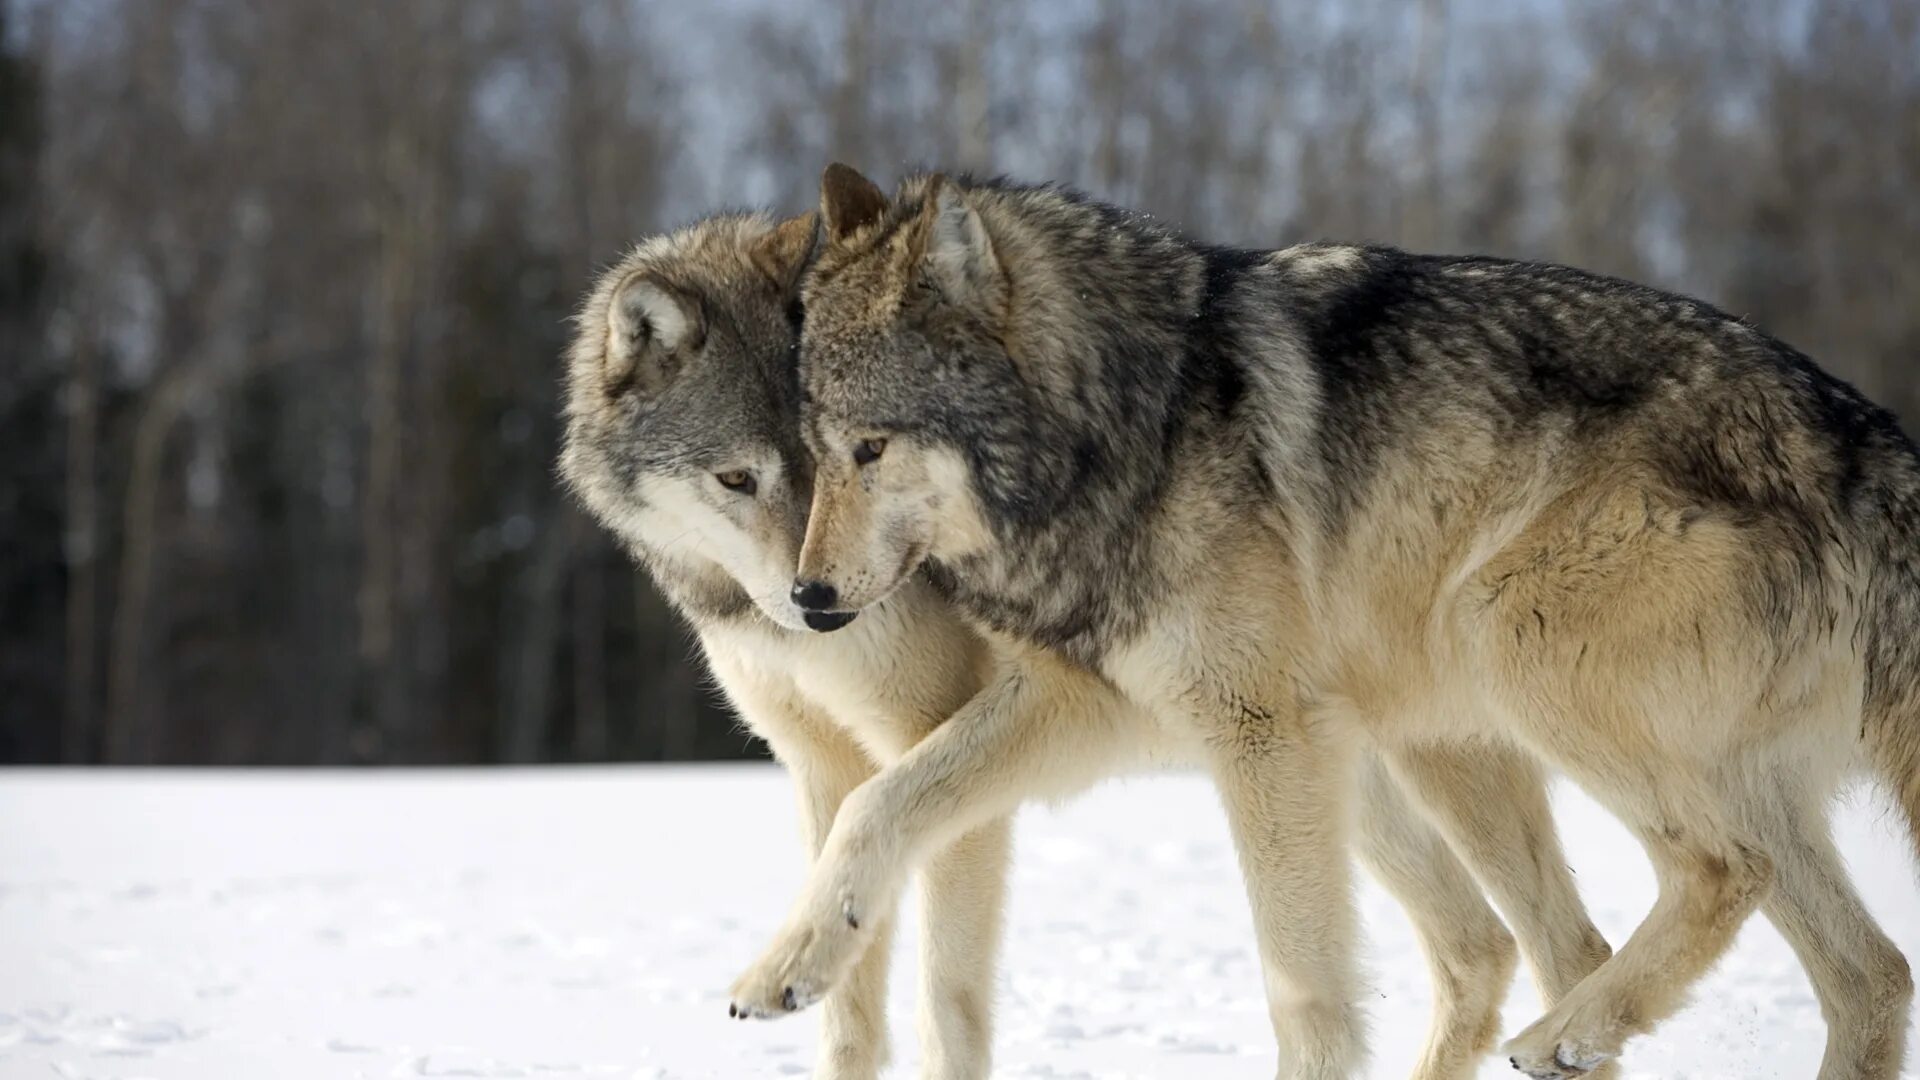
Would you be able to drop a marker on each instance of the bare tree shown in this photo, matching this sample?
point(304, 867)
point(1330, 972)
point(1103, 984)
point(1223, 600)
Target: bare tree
point(283, 286)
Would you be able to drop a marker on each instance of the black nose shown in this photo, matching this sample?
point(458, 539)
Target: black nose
point(814, 595)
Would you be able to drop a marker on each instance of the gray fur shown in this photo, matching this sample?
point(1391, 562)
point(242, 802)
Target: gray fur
point(1332, 492)
point(733, 394)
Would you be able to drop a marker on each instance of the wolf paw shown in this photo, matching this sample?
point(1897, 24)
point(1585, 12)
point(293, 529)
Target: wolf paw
point(1559, 1057)
point(805, 961)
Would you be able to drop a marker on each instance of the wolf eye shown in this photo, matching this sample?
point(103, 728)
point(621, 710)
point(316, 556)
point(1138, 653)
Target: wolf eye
point(868, 452)
point(739, 480)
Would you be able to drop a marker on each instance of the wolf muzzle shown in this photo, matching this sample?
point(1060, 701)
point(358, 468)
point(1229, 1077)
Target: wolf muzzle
point(815, 600)
point(827, 622)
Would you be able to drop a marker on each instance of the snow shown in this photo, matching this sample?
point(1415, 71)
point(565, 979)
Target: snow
point(585, 923)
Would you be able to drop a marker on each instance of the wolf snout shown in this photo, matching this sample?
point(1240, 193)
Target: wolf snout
point(814, 596)
point(815, 599)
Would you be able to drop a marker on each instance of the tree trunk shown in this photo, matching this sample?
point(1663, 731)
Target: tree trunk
point(523, 734)
point(378, 732)
point(972, 92)
point(1421, 227)
point(127, 738)
point(82, 542)
point(589, 644)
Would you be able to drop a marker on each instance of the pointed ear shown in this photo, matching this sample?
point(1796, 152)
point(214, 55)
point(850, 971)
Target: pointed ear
point(848, 201)
point(959, 253)
point(651, 328)
point(782, 254)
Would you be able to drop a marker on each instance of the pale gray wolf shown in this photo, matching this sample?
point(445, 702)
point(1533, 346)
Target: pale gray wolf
point(1290, 502)
point(683, 437)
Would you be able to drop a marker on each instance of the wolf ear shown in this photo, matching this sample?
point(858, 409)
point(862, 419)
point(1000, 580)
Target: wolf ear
point(650, 327)
point(848, 201)
point(783, 252)
point(959, 253)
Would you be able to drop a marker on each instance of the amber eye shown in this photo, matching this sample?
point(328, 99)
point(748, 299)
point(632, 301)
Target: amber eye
point(868, 452)
point(739, 480)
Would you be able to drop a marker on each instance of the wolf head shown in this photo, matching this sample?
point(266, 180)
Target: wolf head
point(903, 376)
point(682, 411)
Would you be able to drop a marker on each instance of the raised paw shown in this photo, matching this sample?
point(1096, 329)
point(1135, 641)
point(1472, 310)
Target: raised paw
point(805, 962)
point(1558, 1058)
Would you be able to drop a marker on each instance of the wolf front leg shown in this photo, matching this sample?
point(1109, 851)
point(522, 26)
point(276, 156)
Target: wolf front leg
point(1469, 950)
point(826, 765)
point(1040, 728)
point(1286, 784)
point(853, 1026)
point(962, 891)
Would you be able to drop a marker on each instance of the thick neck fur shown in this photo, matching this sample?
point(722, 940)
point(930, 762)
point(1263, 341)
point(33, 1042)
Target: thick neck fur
point(703, 594)
point(1118, 367)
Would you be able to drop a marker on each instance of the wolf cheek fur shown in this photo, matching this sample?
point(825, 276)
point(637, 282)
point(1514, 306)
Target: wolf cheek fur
point(1414, 503)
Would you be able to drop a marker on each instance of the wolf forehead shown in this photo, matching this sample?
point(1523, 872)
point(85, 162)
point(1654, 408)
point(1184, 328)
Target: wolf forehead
point(735, 391)
point(709, 262)
point(872, 351)
point(859, 280)
point(859, 363)
point(863, 381)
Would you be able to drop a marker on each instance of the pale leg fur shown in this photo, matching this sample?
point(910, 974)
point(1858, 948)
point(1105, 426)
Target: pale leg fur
point(1490, 802)
point(1860, 976)
point(962, 893)
point(826, 766)
point(1039, 728)
point(1469, 951)
point(1607, 641)
point(1711, 877)
point(1286, 790)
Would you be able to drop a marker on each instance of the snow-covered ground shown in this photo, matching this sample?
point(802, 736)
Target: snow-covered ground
point(563, 923)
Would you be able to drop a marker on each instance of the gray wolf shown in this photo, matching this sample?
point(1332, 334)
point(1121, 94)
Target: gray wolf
point(1290, 503)
point(683, 437)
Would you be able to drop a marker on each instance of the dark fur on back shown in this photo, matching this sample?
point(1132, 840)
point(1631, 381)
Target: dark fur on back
point(1141, 350)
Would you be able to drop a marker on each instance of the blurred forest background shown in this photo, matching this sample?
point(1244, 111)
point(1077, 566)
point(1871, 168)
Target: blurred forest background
point(283, 285)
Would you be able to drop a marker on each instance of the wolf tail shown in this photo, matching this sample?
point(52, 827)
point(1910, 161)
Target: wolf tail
point(1890, 646)
point(1890, 728)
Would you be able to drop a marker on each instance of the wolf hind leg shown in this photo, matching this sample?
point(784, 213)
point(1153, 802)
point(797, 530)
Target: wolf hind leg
point(1860, 977)
point(1468, 948)
point(1712, 875)
point(1490, 802)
